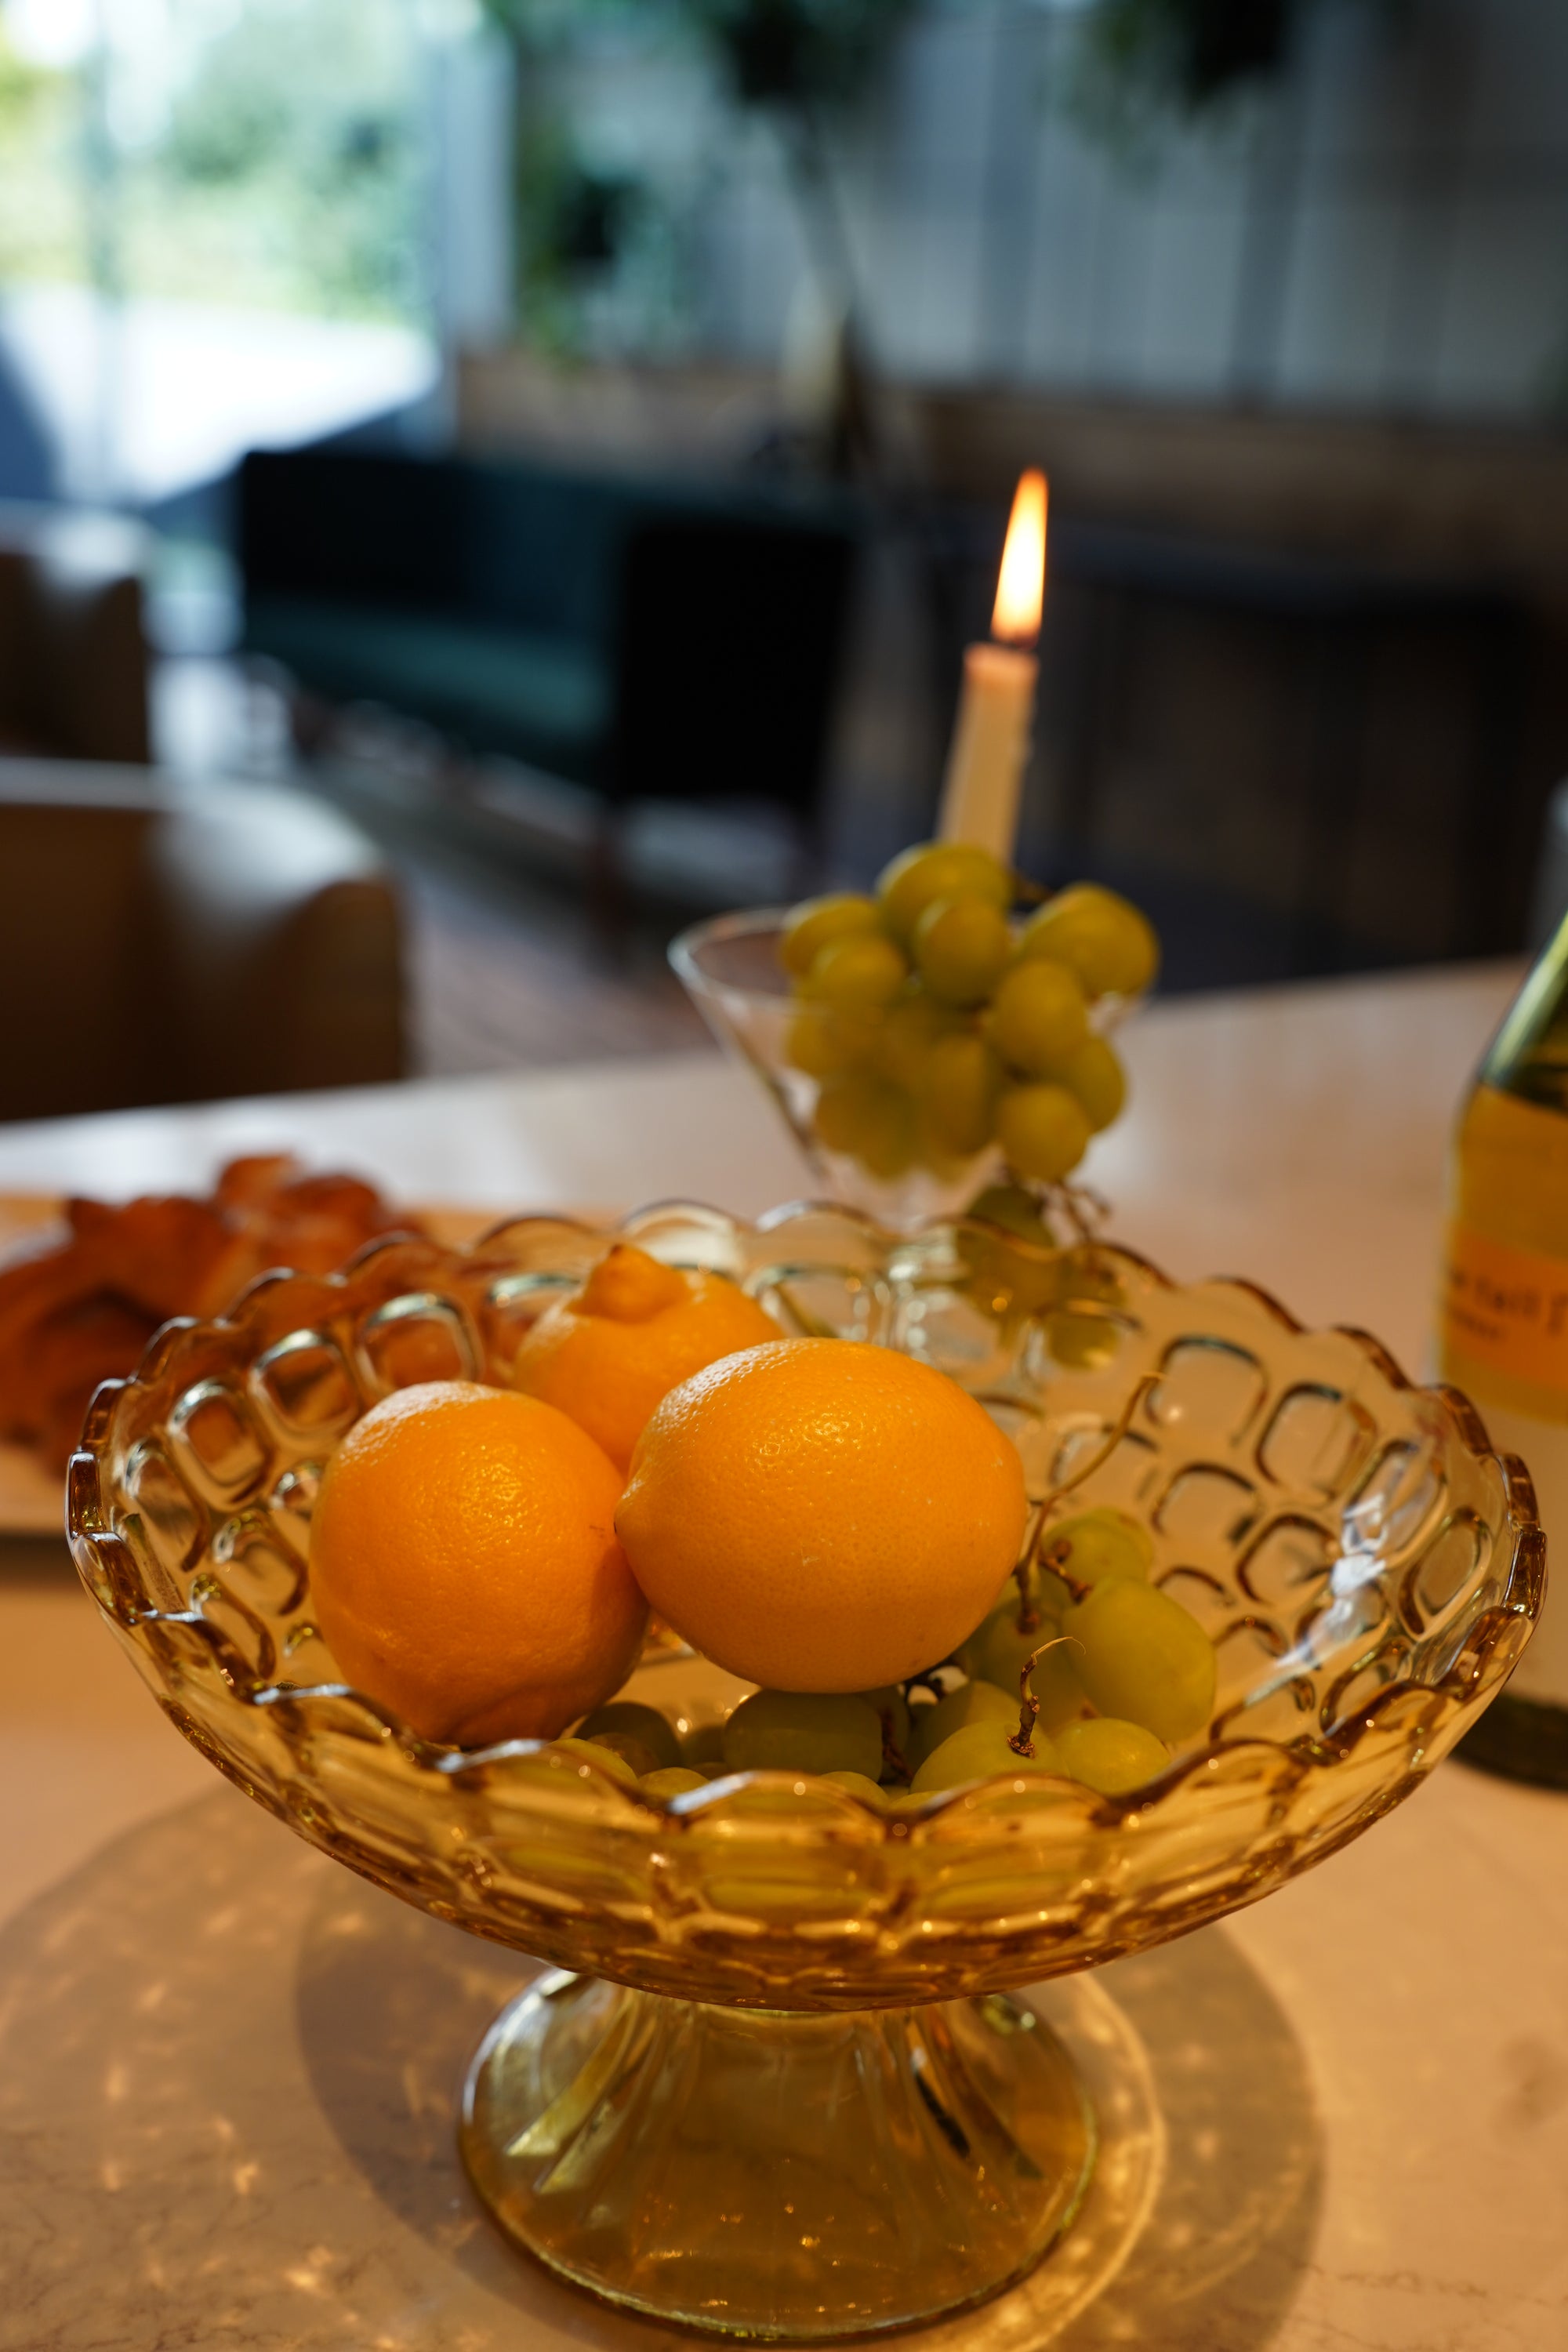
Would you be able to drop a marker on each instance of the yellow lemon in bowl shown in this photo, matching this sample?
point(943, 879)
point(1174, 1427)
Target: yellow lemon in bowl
point(820, 1515)
point(465, 1569)
point(632, 1331)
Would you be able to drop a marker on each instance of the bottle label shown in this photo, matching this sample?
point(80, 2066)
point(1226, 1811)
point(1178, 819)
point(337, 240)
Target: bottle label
point(1507, 1308)
point(1542, 1672)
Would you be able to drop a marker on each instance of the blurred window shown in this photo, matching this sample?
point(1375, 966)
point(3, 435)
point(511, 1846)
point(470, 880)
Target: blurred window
point(212, 234)
point(248, 152)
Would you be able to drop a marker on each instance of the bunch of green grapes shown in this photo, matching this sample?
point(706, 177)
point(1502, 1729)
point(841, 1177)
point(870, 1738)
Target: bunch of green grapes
point(1122, 1675)
point(1123, 1672)
point(934, 1029)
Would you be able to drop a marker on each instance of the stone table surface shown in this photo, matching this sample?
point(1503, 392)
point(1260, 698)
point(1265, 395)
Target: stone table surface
point(227, 2069)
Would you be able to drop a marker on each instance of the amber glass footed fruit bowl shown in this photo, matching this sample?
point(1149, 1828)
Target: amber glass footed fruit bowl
point(775, 2084)
point(732, 968)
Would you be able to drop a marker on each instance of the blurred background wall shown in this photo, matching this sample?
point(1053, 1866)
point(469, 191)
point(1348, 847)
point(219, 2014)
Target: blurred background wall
point(1277, 293)
point(1379, 223)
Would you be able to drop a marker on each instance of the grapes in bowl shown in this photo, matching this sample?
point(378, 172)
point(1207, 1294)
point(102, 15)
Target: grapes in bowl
point(1362, 1570)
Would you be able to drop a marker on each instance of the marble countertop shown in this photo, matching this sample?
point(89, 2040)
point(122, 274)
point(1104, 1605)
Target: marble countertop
point(227, 2069)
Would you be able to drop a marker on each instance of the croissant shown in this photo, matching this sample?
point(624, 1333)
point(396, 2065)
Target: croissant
point(83, 1310)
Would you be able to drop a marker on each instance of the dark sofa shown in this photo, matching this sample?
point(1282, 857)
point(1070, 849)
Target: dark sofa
point(645, 640)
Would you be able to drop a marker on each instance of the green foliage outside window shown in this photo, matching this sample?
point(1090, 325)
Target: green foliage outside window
point(798, 53)
point(793, 60)
point(291, 164)
point(1139, 59)
point(40, 218)
point(279, 165)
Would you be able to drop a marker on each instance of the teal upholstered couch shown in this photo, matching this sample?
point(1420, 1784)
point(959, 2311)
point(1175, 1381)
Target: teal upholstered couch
point(644, 639)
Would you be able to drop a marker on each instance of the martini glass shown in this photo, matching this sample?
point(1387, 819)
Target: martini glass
point(731, 969)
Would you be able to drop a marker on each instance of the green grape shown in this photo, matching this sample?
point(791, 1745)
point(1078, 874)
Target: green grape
point(1095, 1076)
point(630, 1749)
point(962, 946)
point(995, 1651)
point(891, 1710)
point(591, 1751)
point(1083, 1342)
point(816, 921)
point(858, 1786)
point(957, 1094)
point(645, 1723)
point(1015, 1211)
point(825, 1041)
point(703, 1745)
point(1038, 1017)
point(1078, 1337)
point(1099, 1543)
point(1105, 1542)
point(1043, 1131)
point(999, 1650)
point(938, 869)
point(909, 1030)
point(981, 1751)
point(1111, 1756)
point(1143, 1658)
point(970, 1650)
point(671, 1780)
point(869, 1120)
point(804, 1731)
point(862, 973)
point(1056, 1685)
point(1107, 943)
point(1007, 1278)
point(973, 1702)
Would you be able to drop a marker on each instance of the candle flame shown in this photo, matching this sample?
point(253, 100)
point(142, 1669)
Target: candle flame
point(1021, 584)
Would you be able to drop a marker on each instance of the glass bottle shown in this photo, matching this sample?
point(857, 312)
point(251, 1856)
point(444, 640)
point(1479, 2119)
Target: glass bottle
point(1503, 1326)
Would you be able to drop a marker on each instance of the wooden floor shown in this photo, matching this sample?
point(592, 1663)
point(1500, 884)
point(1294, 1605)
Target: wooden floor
point(506, 975)
point(507, 967)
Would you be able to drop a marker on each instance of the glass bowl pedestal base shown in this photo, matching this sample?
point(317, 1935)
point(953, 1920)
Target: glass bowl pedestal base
point(773, 2173)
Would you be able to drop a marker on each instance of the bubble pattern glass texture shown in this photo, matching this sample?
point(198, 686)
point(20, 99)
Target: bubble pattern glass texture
point(1369, 1571)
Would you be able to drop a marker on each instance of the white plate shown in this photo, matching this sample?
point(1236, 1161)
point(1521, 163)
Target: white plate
point(32, 1500)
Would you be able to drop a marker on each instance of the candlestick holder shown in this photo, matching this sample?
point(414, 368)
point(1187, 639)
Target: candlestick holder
point(775, 2084)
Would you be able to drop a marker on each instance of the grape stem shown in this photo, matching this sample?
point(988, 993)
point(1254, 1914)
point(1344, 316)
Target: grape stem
point(1145, 1386)
point(892, 1754)
point(1028, 1610)
point(1085, 1212)
point(1022, 1742)
point(1056, 1558)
